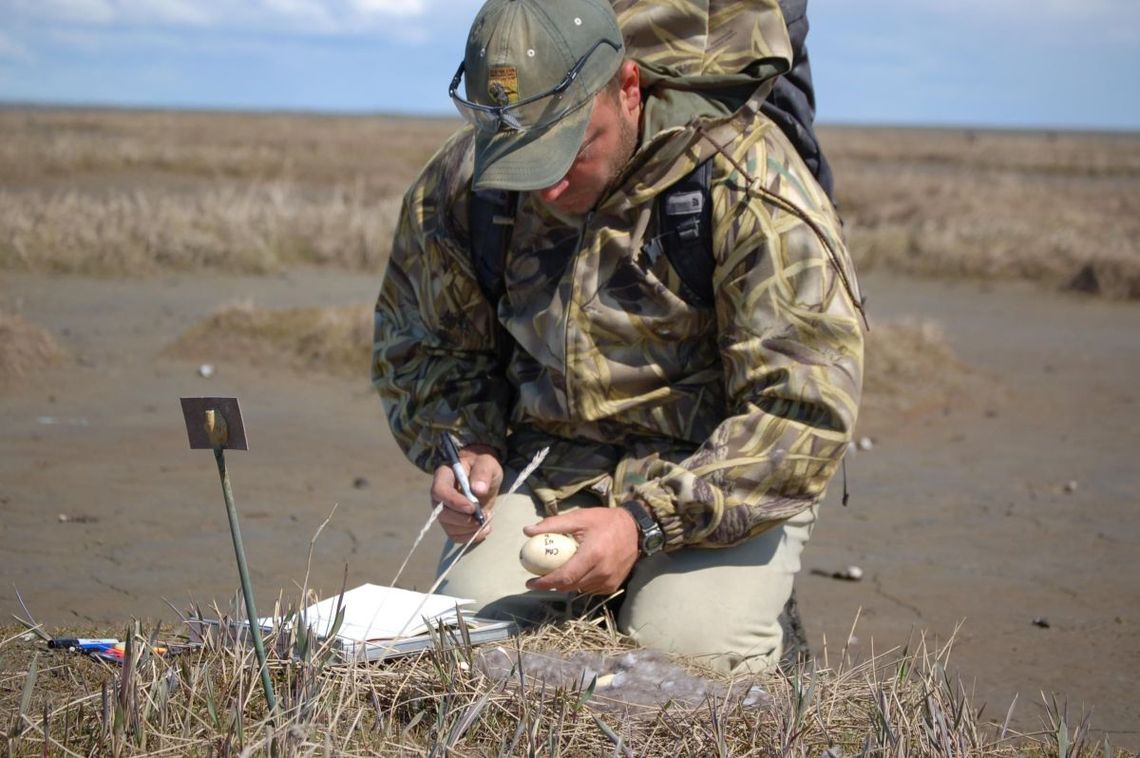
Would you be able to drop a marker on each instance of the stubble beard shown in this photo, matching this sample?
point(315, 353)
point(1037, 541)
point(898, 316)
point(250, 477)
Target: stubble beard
point(627, 146)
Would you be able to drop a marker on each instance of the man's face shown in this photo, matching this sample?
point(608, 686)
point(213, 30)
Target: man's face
point(611, 137)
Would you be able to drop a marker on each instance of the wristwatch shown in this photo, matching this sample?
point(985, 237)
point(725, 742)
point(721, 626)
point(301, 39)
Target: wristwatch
point(650, 537)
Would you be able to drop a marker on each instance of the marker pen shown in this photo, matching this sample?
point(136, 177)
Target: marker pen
point(452, 454)
point(81, 642)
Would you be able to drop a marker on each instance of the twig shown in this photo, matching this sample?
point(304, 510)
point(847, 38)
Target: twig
point(313, 542)
point(33, 625)
point(419, 538)
point(538, 458)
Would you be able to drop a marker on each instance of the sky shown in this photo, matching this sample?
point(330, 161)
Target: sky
point(1007, 63)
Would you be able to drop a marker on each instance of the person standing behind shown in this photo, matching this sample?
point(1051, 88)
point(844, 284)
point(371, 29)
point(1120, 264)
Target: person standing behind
point(690, 442)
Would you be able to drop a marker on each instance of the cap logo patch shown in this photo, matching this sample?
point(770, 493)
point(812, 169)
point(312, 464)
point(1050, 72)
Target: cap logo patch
point(503, 85)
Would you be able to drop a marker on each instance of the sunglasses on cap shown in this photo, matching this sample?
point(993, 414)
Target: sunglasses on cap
point(533, 112)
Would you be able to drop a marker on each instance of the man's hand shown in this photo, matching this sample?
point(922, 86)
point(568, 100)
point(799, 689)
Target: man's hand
point(486, 476)
point(607, 550)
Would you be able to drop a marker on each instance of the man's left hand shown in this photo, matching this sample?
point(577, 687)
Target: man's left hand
point(607, 549)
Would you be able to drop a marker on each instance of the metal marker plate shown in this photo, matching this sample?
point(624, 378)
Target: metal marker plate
point(194, 412)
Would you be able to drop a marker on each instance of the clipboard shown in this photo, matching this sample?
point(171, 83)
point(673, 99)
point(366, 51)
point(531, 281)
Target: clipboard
point(375, 623)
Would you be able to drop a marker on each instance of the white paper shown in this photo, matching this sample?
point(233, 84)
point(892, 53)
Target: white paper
point(373, 612)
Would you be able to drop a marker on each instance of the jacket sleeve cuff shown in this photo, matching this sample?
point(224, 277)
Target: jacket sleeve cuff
point(672, 526)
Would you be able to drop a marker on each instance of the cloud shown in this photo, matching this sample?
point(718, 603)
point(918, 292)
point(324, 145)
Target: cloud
point(73, 11)
point(1101, 15)
point(83, 25)
point(400, 8)
point(328, 16)
point(304, 11)
point(96, 42)
point(166, 12)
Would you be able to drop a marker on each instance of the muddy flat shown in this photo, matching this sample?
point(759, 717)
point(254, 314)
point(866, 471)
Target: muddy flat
point(1002, 515)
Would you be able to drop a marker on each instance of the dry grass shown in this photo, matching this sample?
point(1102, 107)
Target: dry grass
point(210, 701)
point(262, 228)
point(130, 192)
point(1059, 208)
point(334, 341)
point(909, 364)
point(24, 347)
point(107, 150)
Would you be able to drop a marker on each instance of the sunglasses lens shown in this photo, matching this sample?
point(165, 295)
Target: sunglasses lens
point(531, 113)
point(535, 114)
point(483, 120)
point(546, 110)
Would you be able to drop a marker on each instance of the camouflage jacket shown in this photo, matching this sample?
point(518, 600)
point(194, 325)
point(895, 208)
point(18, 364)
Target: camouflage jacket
point(724, 420)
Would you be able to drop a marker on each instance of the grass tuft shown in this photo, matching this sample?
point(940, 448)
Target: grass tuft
point(911, 366)
point(24, 347)
point(208, 700)
point(334, 341)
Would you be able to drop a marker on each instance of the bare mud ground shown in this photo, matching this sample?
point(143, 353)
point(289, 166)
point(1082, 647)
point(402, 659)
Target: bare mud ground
point(1013, 502)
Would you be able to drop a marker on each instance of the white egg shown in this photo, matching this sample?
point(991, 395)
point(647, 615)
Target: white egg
point(543, 553)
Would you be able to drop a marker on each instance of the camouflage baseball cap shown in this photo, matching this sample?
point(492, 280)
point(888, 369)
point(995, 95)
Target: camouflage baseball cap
point(533, 68)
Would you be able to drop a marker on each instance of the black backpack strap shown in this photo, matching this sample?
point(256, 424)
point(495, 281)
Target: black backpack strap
point(684, 227)
point(791, 103)
point(491, 219)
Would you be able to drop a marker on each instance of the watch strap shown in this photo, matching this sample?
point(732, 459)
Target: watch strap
point(651, 538)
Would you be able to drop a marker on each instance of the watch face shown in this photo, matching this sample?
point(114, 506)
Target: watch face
point(653, 542)
point(652, 539)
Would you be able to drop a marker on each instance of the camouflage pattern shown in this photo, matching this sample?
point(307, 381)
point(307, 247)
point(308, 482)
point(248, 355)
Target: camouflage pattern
point(686, 38)
point(725, 421)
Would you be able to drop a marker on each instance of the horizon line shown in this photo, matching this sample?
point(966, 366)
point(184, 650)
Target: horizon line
point(252, 110)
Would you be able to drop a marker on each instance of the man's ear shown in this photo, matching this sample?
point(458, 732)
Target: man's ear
point(630, 87)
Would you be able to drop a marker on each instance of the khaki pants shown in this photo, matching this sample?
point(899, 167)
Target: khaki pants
point(720, 607)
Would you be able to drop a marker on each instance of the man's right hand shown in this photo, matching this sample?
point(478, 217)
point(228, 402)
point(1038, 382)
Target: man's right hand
point(486, 476)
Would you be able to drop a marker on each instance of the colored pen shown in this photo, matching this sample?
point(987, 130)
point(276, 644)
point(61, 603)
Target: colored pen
point(461, 476)
point(81, 643)
point(113, 653)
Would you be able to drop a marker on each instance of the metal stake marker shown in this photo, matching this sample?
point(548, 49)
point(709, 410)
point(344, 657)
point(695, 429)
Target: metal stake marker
point(214, 423)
